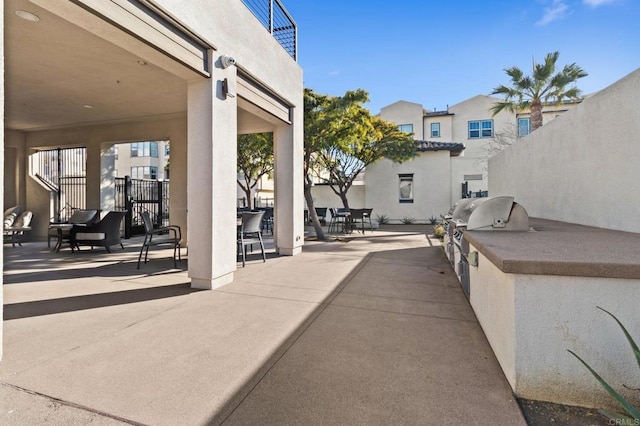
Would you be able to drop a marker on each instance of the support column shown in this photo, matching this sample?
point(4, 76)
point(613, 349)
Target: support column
point(107, 177)
point(178, 180)
point(94, 177)
point(289, 195)
point(211, 176)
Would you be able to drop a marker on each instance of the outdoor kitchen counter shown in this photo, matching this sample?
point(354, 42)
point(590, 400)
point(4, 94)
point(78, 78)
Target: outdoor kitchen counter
point(559, 248)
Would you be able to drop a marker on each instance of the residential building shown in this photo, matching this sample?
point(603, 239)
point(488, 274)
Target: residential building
point(471, 123)
point(453, 147)
point(142, 160)
point(415, 190)
point(96, 74)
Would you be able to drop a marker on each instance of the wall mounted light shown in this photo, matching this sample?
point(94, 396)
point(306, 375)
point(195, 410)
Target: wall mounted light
point(228, 89)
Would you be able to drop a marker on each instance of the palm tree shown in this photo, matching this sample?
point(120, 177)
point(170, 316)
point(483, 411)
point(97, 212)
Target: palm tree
point(542, 87)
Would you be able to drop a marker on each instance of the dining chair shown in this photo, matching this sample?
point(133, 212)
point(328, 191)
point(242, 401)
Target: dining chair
point(163, 236)
point(250, 232)
point(357, 217)
point(335, 220)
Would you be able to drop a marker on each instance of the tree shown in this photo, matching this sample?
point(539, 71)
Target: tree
point(347, 156)
point(500, 141)
point(255, 160)
point(341, 138)
point(542, 87)
point(323, 119)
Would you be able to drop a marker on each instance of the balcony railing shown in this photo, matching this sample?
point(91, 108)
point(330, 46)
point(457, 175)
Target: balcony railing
point(276, 19)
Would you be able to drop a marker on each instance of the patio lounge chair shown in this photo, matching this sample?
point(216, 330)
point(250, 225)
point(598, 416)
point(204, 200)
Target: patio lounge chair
point(167, 235)
point(16, 223)
point(62, 230)
point(105, 233)
point(249, 233)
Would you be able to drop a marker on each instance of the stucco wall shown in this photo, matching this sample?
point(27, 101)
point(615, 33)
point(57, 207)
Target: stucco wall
point(431, 180)
point(323, 196)
point(15, 192)
point(234, 30)
point(474, 109)
point(532, 320)
point(582, 167)
point(403, 112)
point(492, 296)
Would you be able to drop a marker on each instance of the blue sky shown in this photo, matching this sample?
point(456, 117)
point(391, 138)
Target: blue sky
point(439, 53)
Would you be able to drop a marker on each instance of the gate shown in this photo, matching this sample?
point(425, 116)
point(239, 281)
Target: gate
point(139, 195)
point(63, 172)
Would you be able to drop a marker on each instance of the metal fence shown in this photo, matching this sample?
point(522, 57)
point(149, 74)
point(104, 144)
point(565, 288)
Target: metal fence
point(140, 195)
point(63, 171)
point(275, 18)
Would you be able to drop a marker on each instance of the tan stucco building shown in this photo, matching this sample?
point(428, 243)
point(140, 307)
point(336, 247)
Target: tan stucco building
point(95, 73)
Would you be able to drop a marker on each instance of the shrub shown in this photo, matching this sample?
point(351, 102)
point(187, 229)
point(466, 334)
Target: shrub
point(439, 232)
point(382, 219)
point(632, 415)
point(408, 220)
point(433, 220)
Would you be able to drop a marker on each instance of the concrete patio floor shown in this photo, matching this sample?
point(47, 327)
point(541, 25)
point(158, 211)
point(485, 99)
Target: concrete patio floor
point(369, 329)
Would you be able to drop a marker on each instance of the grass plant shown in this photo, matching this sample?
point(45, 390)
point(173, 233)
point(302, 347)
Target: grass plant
point(631, 415)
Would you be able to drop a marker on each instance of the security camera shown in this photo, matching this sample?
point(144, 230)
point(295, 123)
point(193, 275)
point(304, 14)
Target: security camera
point(227, 61)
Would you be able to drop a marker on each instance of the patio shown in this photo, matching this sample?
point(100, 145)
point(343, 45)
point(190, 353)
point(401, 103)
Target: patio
point(371, 329)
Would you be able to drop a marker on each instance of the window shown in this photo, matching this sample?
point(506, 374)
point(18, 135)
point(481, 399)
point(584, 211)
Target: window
point(435, 130)
point(144, 172)
point(472, 177)
point(115, 152)
point(166, 150)
point(406, 188)
point(480, 129)
point(407, 128)
point(524, 126)
point(144, 149)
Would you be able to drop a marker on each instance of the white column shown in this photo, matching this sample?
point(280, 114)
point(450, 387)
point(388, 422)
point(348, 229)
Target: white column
point(178, 180)
point(289, 195)
point(107, 177)
point(94, 177)
point(211, 181)
point(2, 161)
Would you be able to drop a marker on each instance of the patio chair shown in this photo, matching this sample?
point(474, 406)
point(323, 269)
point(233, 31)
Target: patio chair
point(16, 226)
point(366, 217)
point(249, 233)
point(357, 218)
point(104, 233)
point(267, 219)
point(164, 236)
point(360, 217)
point(62, 230)
point(321, 212)
point(339, 220)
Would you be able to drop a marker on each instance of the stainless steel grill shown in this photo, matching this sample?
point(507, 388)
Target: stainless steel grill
point(479, 214)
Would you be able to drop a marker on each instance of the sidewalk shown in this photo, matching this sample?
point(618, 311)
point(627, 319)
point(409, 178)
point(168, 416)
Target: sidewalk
point(366, 330)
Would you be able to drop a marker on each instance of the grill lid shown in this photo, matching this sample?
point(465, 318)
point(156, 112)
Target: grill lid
point(490, 213)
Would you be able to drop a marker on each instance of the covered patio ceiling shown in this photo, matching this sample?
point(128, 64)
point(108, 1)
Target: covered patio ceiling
point(59, 75)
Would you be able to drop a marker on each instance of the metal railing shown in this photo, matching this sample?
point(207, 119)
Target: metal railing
point(62, 171)
point(276, 19)
point(139, 195)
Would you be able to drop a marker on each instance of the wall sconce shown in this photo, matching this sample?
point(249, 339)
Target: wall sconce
point(228, 89)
